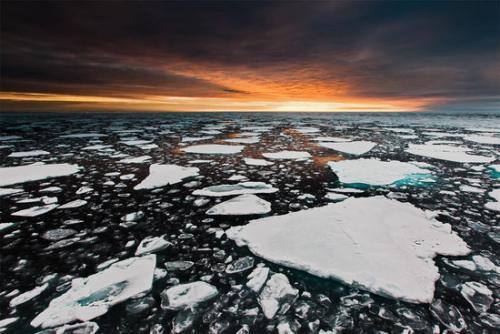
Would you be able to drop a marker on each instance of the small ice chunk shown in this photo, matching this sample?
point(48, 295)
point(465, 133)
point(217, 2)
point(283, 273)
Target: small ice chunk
point(58, 234)
point(136, 160)
point(34, 172)
point(162, 175)
point(187, 295)
point(191, 139)
point(28, 295)
point(25, 154)
point(247, 204)
point(242, 264)
point(73, 204)
point(257, 162)
point(374, 171)
point(214, 149)
point(478, 295)
point(236, 189)
point(282, 155)
point(84, 190)
point(35, 211)
point(257, 278)
point(152, 244)
point(276, 292)
point(354, 147)
point(91, 297)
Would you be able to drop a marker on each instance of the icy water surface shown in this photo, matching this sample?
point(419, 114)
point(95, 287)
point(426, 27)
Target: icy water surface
point(136, 207)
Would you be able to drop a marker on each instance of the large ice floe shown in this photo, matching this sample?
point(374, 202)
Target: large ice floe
point(247, 204)
point(91, 297)
point(448, 153)
point(34, 172)
point(353, 147)
point(162, 175)
point(283, 155)
point(213, 149)
point(378, 173)
point(383, 245)
point(236, 189)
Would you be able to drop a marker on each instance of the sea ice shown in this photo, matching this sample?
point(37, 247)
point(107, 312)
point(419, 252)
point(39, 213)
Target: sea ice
point(152, 244)
point(257, 162)
point(91, 297)
point(25, 154)
point(276, 292)
point(477, 295)
point(242, 264)
point(135, 160)
point(9, 191)
point(244, 140)
point(83, 135)
point(333, 139)
point(481, 139)
point(246, 204)
point(495, 206)
point(294, 155)
point(35, 211)
point(375, 172)
point(34, 172)
point(191, 139)
point(354, 147)
point(334, 197)
point(257, 278)
point(213, 149)
point(28, 295)
point(162, 175)
point(73, 204)
point(236, 189)
point(448, 153)
point(187, 295)
point(383, 245)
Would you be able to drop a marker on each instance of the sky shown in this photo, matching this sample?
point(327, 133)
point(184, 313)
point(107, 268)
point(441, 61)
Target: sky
point(250, 56)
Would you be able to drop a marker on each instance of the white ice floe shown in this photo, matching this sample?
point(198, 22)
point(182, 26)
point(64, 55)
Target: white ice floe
point(83, 190)
point(374, 171)
point(136, 160)
point(334, 197)
point(35, 211)
point(73, 204)
point(213, 149)
point(482, 139)
point(334, 139)
point(354, 147)
point(307, 129)
point(200, 161)
point(91, 297)
point(247, 204)
point(9, 191)
point(191, 139)
point(257, 278)
point(152, 244)
point(276, 291)
point(25, 154)
point(34, 172)
point(494, 206)
point(28, 295)
point(97, 147)
point(287, 155)
point(236, 189)
point(383, 245)
point(448, 153)
point(187, 295)
point(136, 142)
point(162, 175)
point(83, 135)
point(245, 140)
point(257, 162)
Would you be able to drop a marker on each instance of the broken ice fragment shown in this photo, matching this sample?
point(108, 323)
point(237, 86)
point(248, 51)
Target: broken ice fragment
point(187, 295)
point(282, 155)
point(25, 154)
point(179, 265)
point(162, 175)
point(257, 162)
point(73, 204)
point(247, 204)
point(35, 211)
point(276, 292)
point(152, 245)
point(236, 189)
point(383, 245)
point(257, 278)
point(28, 295)
point(91, 297)
point(58, 234)
point(34, 172)
point(213, 149)
point(478, 295)
point(240, 265)
point(448, 315)
point(354, 147)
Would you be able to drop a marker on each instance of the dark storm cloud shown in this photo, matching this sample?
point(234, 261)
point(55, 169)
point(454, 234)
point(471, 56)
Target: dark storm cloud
point(377, 49)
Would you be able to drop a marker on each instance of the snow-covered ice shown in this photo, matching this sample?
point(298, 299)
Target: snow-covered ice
point(163, 175)
point(448, 153)
point(383, 245)
point(236, 189)
point(247, 204)
point(283, 155)
point(35, 172)
point(213, 149)
point(35, 211)
point(354, 147)
point(187, 295)
point(25, 154)
point(276, 292)
point(257, 162)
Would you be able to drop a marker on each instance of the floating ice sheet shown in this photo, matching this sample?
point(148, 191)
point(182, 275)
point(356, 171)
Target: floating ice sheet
point(34, 172)
point(35, 211)
point(384, 245)
point(448, 153)
point(187, 295)
point(354, 147)
point(91, 297)
point(24, 154)
point(236, 189)
point(214, 149)
point(162, 175)
point(376, 172)
point(241, 205)
point(257, 162)
point(482, 139)
point(282, 155)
